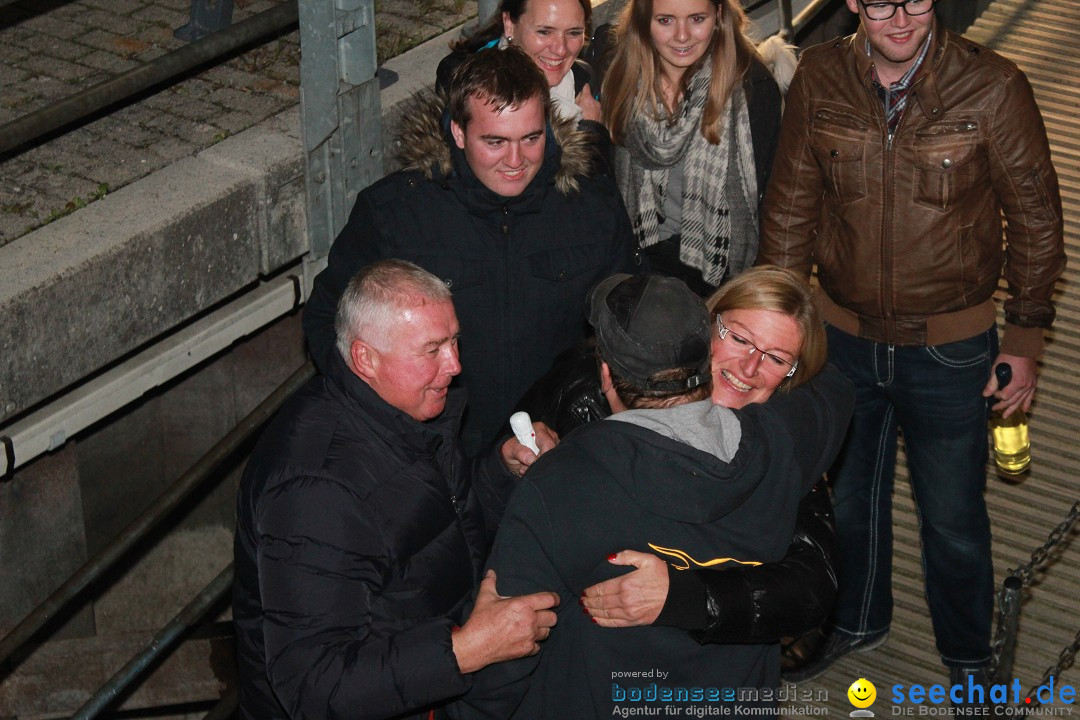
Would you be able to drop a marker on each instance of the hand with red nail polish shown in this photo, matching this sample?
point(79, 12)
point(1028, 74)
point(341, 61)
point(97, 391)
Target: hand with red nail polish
point(632, 599)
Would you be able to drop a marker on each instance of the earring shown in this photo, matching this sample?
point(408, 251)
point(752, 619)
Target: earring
point(509, 39)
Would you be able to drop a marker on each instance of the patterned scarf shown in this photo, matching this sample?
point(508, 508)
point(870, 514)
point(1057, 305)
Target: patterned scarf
point(719, 204)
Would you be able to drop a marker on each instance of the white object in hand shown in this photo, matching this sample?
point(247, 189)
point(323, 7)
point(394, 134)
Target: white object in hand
point(521, 424)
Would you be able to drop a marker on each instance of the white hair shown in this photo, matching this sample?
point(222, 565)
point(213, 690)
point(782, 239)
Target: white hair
point(367, 307)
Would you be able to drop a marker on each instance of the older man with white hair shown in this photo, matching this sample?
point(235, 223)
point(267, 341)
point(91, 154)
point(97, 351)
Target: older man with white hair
point(362, 529)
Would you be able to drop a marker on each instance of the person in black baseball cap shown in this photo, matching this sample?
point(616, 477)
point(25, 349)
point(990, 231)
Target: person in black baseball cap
point(652, 337)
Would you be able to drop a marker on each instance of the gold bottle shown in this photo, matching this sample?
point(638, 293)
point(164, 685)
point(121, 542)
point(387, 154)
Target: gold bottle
point(1012, 444)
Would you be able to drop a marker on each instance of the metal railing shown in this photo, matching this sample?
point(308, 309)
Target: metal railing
point(150, 519)
point(169, 66)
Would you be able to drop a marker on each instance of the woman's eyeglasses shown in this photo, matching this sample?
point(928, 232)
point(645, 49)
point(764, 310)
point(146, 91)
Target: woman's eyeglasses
point(771, 363)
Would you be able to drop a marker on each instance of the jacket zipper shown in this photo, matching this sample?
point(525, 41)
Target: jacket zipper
point(886, 207)
point(888, 185)
point(453, 494)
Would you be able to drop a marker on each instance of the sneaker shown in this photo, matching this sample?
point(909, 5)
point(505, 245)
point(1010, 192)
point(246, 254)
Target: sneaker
point(836, 646)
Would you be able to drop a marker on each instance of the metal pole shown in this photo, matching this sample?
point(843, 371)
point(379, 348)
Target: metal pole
point(160, 643)
point(804, 17)
point(1010, 619)
point(75, 107)
point(153, 515)
point(786, 28)
point(485, 10)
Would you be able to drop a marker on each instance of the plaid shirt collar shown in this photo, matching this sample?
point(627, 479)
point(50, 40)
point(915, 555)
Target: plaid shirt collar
point(894, 97)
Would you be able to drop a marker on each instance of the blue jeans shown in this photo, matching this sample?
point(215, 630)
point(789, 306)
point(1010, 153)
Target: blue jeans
point(934, 395)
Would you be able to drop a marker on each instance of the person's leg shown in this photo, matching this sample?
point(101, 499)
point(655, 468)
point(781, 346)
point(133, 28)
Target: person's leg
point(862, 480)
point(939, 403)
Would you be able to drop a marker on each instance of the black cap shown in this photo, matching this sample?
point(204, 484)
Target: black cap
point(648, 323)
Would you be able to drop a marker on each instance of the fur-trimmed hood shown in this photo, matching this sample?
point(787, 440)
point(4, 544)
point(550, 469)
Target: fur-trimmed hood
point(424, 143)
point(779, 57)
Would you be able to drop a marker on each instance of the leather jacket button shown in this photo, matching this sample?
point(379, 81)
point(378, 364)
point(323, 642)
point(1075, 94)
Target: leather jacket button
point(834, 153)
point(562, 274)
point(448, 282)
point(946, 163)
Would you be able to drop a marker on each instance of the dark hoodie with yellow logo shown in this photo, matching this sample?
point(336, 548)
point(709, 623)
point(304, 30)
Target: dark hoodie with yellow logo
point(699, 485)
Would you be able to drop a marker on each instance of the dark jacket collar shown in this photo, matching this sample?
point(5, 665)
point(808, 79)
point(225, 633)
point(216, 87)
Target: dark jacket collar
point(391, 424)
point(482, 201)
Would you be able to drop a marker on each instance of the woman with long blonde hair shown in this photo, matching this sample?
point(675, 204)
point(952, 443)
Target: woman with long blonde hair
point(695, 114)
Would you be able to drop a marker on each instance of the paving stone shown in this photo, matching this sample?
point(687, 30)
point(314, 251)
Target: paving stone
point(13, 227)
point(158, 15)
point(184, 5)
point(200, 133)
point(11, 76)
point(120, 129)
point(65, 50)
point(116, 7)
point(109, 62)
point(112, 22)
point(112, 42)
point(43, 65)
point(167, 150)
point(258, 106)
point(11, 54)
point(34, 93)
point(232, 76)
point(193, 108)
point(21, 37)
point(49, 24)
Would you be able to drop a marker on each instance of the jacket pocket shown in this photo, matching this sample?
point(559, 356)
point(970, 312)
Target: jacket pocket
point(948, 163)
point(456, 273)
point(1039, 201)
point(565, 263)
point(839, 141)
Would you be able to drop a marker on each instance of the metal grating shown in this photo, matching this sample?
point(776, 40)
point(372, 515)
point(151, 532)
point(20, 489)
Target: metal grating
point(1042, 36)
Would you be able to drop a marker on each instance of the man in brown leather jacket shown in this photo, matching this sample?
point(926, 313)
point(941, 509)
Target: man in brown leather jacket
point(901, 149)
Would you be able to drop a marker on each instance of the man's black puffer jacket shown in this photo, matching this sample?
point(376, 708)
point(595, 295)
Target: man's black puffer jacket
point(360, 536)
point(744, 604)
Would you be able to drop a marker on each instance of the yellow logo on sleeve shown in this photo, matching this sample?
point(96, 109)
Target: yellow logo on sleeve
point(683, 561)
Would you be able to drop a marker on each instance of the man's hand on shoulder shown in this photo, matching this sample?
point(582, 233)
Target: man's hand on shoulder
point(1020, 391)
point(517, 458)
point(503, 628)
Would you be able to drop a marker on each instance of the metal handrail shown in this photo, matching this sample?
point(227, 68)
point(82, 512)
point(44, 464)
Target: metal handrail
point(161, 642)
point(808, 13)
point(75, 107)
point(153, 515)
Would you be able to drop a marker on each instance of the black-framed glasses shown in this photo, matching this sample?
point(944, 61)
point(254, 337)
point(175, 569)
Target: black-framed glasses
point(770, 362)
point(885, 10)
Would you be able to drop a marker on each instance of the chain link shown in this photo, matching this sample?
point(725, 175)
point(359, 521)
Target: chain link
point(1005, 608)
point(1038, 557)
point(1065, 661)
point(1026, 573)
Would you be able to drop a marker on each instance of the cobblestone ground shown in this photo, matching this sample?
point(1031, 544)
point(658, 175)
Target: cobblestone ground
point(50, 49)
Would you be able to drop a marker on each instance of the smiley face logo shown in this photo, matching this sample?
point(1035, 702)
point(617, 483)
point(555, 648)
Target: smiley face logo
point(862, 693)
